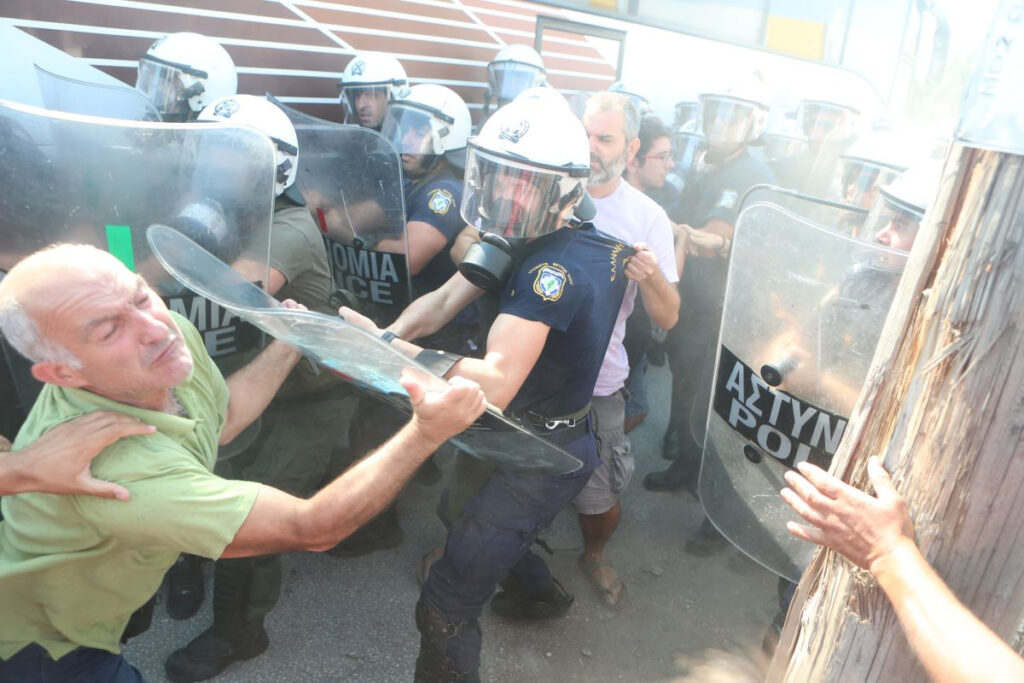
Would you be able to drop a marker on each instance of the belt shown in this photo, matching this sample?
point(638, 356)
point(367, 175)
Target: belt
point(557, 430)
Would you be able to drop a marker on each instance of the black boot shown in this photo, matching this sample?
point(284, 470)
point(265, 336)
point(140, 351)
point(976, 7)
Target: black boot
point(184, 587)
point(380, 533)
point(514, 605)
point(231, 638)
point(449, 652)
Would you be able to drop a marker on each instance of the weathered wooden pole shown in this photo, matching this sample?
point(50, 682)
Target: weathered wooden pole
point(944, 405)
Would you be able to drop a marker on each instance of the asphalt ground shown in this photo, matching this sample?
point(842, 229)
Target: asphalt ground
point(352, 619)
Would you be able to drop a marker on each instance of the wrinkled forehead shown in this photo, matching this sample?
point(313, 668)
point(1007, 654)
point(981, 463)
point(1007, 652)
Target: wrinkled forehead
point(610, 121)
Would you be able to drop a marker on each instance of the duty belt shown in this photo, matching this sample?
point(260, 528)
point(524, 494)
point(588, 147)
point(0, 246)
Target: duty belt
point(557, 430)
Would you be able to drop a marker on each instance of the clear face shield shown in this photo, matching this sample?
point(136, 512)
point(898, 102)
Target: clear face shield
point(508, 79)
point(169, 86)
point(892, 223)
point(779, 147)
point(727, 123)
point(410, 130)
point(687, 152)
point(685, 112)
point(365, 105)
point(820, 120)
point(861, 180)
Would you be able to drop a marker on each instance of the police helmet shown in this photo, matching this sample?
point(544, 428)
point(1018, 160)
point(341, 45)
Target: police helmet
point(641, 103)
point(901, 204)
point(735, 116)
point(182, 73)
point(514, 69)
point(429, 119)
point(373, 73)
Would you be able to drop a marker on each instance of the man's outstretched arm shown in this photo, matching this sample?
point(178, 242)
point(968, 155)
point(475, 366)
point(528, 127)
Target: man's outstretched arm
point(876, 533)
point(280, 522)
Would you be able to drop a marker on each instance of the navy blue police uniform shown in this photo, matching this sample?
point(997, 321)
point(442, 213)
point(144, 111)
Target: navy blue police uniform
point(714, 194)
point(571, 280)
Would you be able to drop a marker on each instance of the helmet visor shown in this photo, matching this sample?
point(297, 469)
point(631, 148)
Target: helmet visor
point(891, 223)
point(726, 122)
point(514, 200)
point(164, 86)
point(861, 180)
point(819, 119)
point(687, 151)
point(365, 104)
point(779, 147)
point(409, 130)
point(685, 112)
point(508, 79)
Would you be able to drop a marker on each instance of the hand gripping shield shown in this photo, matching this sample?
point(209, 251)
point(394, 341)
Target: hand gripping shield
point(350, 352)
point(804, 309)
point(70, 178)
point(351, 180)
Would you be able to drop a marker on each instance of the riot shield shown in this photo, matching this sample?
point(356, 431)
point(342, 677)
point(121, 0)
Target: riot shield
point(351, 352)
point(804, 309)
point(840, 217)
point(71, 178)
point(351, 179)
point(73, 96)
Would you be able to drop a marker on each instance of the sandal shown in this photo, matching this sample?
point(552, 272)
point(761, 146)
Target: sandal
point(605, 581)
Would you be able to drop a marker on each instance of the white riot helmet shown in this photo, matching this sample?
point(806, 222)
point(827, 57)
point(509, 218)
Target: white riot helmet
point(374, 75)
point(641, 103)
point(870, 163)
point(782, 140)
point(684, 112)
point(514, 69)
point(901, 205)
point(182, 73)
point(733, 117)
point(429, 119)
point(526, 171)
point(267, 118)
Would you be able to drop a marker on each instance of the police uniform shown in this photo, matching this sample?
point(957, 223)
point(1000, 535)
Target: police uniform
point(715, 194)
point(573, 282)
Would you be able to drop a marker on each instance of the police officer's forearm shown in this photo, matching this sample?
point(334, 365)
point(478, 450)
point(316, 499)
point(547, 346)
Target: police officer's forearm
point(253, 387)
point(434, 310)
point(660, 299)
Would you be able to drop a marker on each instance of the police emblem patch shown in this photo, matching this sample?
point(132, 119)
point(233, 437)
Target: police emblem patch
point(514, 132)
point(727, 200)
point(226, 108)
point(358, 67)
point(439, 201)
point(550, 282)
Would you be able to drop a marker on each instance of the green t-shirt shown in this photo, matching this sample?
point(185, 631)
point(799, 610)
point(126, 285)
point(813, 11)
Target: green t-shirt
point(74, 568)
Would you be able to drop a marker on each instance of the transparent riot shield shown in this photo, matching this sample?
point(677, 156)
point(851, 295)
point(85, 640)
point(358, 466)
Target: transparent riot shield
point(804, 309)
point(840, 217)
point(351, 352)
point(351, 179)
point(71, 178)
point(73, 96)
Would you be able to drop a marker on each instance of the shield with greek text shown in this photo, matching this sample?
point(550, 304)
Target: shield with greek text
point(804, 309)
point(351, 179)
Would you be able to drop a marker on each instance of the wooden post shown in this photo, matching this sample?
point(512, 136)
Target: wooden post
point(944, 405)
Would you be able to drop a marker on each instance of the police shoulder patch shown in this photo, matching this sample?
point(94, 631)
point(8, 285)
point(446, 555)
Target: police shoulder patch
point(727, 200)
point(439, 201)
point(549, 284)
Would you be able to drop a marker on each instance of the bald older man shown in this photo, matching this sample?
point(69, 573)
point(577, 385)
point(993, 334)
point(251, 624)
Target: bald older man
point(73, 568)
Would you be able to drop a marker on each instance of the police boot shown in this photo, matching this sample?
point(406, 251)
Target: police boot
point(380, 533)
point(184, 587)
point(231, 638)
point(449, 652)
point(513, 603)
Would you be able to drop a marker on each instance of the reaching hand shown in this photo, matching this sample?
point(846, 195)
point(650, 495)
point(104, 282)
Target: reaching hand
point(703, 239)
point(860, 527)
point(359, 320)
point(58, 461)
point(642, 264)
point(441, 415)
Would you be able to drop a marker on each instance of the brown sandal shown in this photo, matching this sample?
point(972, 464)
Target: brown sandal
point(605, 581)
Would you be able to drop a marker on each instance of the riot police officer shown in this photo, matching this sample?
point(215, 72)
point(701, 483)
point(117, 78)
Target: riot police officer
point(300, 426)
point(182, 73)
point(370, 82)
point(514, 69)
point(830, 127)
point(731, 121)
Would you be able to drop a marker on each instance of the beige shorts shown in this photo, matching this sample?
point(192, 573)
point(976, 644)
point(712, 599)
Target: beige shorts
point(612, 476)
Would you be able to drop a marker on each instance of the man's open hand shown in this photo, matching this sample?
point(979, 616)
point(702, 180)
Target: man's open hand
point(441, 415)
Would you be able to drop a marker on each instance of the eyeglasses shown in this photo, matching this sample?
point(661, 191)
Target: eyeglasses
point(664, 157)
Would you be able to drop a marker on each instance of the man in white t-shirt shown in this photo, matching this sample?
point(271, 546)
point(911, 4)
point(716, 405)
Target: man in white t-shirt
point(613, 123)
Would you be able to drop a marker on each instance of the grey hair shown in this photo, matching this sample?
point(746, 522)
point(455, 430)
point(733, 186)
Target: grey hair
point(610, 101)
point(23, 334)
